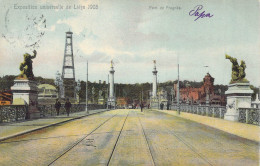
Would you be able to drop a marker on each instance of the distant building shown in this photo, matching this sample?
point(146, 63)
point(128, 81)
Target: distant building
point(163, 96)
point(122, 102)
point(47, 91)
point(190, 95)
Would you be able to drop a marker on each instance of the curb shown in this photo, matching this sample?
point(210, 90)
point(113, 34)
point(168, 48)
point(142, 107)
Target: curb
point(40, 128)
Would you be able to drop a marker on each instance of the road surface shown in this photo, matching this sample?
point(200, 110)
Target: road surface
point(129, 137)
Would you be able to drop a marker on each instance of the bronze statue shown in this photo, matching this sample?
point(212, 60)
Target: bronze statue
point(238, 72)
point(112, 63)
point(26, 66)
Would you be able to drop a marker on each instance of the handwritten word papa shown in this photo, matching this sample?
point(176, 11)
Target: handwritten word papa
point(196, 12)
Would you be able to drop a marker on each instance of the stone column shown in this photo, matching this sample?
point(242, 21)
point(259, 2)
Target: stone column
point(111, 100)
point(155, 99)
point(155, 81)
point(111, 87)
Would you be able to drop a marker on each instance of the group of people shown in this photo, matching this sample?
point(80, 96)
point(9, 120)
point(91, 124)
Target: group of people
point(162, 105)
point(67, 106)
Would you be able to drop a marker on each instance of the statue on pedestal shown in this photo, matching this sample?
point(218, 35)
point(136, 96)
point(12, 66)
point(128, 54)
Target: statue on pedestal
point(25, 87)
point(26, 66)
point(100, 94)
point(238, 72)
point(239, 91)
point(100, 97)
point(112, 63)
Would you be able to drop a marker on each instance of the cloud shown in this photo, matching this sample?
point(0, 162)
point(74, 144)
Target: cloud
point(9, 61)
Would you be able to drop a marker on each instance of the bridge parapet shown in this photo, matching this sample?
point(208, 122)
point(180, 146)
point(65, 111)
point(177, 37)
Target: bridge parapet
point(13, 113)
point(249, 115)
point(246, 115)
point(49, 110)
point(212, 111)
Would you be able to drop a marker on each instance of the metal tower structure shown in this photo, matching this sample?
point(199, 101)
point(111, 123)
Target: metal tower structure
point(68, 70)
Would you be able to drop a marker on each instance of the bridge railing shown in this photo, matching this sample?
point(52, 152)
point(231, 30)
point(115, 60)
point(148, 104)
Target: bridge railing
point(249, 115)
point(12, 113)
point(246, 115)
point(211, 111)
point(49, 110)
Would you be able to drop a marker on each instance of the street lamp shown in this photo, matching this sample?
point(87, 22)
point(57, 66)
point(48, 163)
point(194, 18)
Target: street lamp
point(178, 92)
point(87, 90)
point(107, 90)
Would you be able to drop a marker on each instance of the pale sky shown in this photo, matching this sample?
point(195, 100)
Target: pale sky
point(133, 34)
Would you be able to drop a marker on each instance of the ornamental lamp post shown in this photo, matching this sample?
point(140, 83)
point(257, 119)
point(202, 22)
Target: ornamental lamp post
point(87, 90)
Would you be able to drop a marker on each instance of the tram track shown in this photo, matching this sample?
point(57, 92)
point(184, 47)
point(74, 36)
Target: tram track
point(204, 158)
point(128, 137)
point(125, 137)
point(117, 140)
point(146, 140)
point(189, 146)
point(80, 140)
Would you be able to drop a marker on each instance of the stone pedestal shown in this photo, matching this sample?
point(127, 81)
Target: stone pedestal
point(238, 96)
point(164, 101)
point(154, 103)
point(26, 92)
point(111, 102)
point(100, 101)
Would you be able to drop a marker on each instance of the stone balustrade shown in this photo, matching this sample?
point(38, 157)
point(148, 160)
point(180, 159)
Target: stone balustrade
point(49, 110)
point(212, 111)
point(13, 113)
point(246, 115)
point(249, 115)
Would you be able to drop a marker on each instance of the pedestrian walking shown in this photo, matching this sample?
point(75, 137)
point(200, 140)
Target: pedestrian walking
point(57, 106)
point(168, 106)
point(68, 106)
point(161, 106)
point(141, 106)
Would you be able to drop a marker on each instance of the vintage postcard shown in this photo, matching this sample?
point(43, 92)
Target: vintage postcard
point(129, 82)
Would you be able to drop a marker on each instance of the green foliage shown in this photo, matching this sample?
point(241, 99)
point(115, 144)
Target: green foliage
point(41, 80)
point(6, 82)
point(256, 90)
point(220, 89)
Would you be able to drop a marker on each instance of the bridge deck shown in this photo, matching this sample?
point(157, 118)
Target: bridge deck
point(129, 137)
